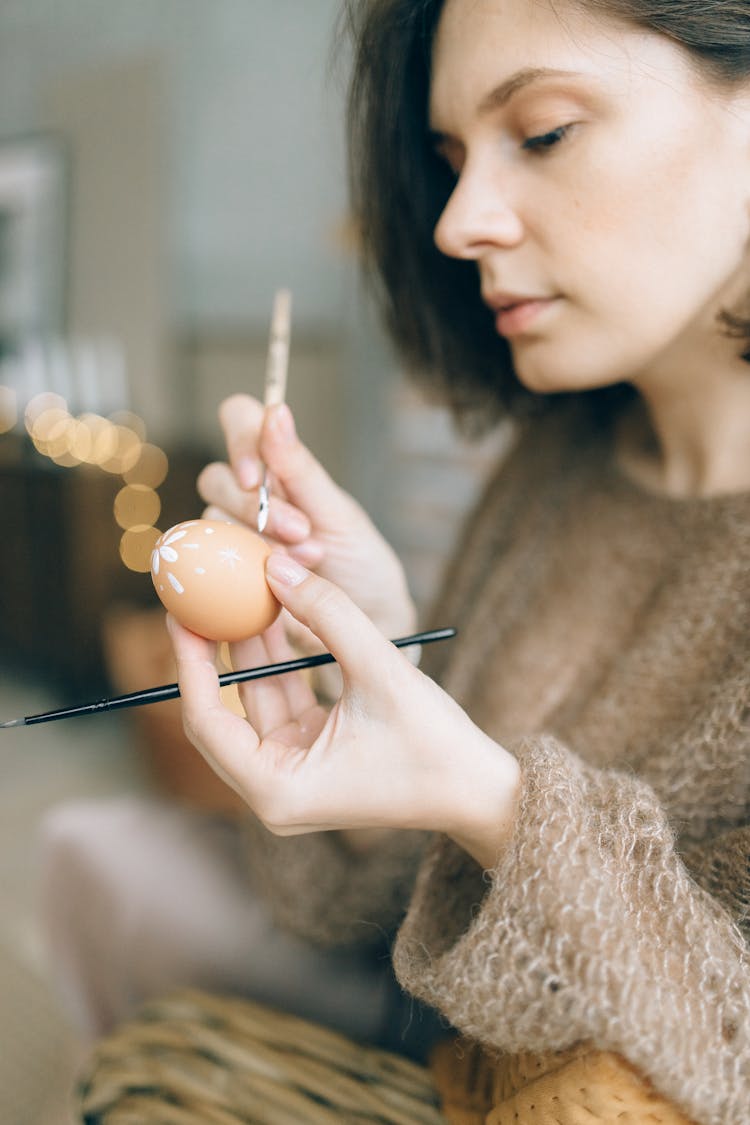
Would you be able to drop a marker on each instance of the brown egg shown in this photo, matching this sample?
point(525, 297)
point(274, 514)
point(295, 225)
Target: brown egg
point(210, 575)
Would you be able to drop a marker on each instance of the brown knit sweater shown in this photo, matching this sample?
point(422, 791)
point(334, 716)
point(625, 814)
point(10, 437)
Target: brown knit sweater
point(605, 640)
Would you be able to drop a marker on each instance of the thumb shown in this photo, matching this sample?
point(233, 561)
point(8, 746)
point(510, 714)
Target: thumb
point(304, 480)
point(347, 633)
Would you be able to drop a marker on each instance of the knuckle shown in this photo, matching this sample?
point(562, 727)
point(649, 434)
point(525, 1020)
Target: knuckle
point(292, 455)
point(190, 726)
point(326, 600)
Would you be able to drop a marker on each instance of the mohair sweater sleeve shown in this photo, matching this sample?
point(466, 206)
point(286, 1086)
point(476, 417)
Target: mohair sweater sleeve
point(590, 928)
point(317, 887)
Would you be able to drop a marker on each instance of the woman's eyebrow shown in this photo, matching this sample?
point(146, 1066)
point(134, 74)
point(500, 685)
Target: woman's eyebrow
point(501, 94)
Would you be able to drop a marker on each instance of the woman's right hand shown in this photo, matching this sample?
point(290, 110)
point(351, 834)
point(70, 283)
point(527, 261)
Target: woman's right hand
point(310, 516)
point(394, 752)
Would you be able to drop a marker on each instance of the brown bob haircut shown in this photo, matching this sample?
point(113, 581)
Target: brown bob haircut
point(399, 187)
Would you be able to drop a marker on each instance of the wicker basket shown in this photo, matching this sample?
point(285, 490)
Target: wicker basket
point(199, 1059)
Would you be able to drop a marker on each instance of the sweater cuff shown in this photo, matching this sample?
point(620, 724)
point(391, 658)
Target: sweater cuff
point(587, 925)
point(468, 925)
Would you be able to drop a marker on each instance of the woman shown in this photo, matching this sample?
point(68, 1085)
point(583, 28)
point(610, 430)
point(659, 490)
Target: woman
point(584, 170)
point(587, 172)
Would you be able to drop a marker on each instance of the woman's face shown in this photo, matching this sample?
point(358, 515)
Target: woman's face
point(603, 190)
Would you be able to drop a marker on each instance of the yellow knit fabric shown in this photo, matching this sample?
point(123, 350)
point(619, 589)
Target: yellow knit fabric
point(581, 1086)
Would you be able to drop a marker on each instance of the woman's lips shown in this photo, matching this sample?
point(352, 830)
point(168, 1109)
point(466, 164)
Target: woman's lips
point(522, 315)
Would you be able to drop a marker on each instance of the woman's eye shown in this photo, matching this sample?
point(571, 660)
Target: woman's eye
point(545, 140)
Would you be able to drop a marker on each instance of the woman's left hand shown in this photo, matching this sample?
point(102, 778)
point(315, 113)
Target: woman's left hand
point(394, 752)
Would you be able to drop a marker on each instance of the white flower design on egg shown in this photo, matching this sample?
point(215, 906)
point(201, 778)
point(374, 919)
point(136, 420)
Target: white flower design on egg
point(166, 551)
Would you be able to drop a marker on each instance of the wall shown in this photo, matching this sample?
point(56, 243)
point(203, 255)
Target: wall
point(252, 134)
point(111, 119)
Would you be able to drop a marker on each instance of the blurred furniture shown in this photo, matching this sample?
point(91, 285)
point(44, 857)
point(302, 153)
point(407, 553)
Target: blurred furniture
point(60, 568)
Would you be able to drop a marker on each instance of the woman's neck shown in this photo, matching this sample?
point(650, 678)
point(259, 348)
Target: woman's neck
point(691, 436)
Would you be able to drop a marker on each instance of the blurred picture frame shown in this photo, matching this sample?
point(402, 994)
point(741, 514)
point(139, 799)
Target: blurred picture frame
point(34, 177)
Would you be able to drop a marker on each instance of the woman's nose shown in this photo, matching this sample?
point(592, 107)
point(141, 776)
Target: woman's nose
point(477, 217)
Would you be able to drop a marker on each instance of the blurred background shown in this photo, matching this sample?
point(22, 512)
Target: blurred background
point(165, 166)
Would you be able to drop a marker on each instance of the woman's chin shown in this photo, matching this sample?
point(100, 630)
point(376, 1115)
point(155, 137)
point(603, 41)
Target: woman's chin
point(549, 374)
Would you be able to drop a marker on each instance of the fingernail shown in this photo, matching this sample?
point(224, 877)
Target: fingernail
point(248, 472)
point(285, 570)
point(282, 422)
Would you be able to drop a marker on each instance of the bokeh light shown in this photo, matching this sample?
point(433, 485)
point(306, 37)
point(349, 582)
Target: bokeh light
point(79, 441)
point(50, 430)
point(40, 404)
point(116, 444)
point(66, 459)
point(136, 546)
point(137, 505)
point(97, 437)
point(129, 421)
point(150, 469)
point(127, 451)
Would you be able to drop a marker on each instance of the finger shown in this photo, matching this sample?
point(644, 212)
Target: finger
point(360, 649)
point(241, 417)
point(218, 487)
point(326, 680)
point(300, 638)
point(296, 685)
point(272, 701)
point(306, 483)
point(229, 743)
point(220, 735)
point(264, 700)
point(310, 552)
